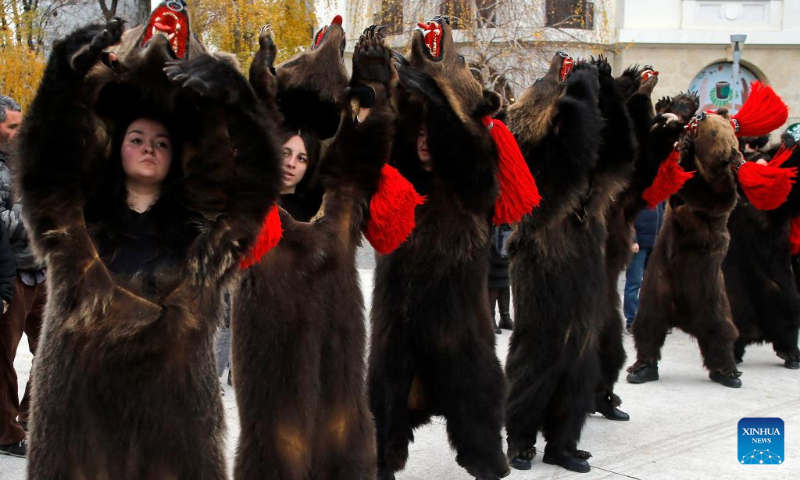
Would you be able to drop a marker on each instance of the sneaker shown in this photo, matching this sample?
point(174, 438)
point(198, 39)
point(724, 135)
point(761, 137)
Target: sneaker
point(19, 449)
point(644, 373)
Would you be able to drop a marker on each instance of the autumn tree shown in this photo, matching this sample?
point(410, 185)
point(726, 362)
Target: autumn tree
point(233, 25)
point(23, 28)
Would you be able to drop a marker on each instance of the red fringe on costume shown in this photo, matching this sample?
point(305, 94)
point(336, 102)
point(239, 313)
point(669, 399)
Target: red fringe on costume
point(669, 179)
point(518, 192)
point(781, 156)
point(268, 238)
point(391, 211)
point(794, 236)
point(766, 187)
point(763, 112)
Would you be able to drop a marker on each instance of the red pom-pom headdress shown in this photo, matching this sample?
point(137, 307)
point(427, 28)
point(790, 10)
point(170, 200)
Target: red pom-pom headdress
point(518, 192)
point(391, 211)
point(268, 238)
point(669, 179)
point(765, 186)
point(763, 112)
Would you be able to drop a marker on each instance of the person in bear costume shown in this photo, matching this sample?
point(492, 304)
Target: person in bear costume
point(125, 384)
point(683, 286)
point(758, 273)
point(656, 131)
point(613, 173)
point(556, 266)
point(298, 356)
point(432, 349)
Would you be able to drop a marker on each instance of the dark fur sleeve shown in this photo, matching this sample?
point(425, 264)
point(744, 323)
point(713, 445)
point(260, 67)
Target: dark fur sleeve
point(563, 162)
point(619, 143)
point(232, 178)
point(464, 156)
point(57, 143)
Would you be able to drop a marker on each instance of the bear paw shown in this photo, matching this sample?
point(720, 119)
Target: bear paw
point(85, 47)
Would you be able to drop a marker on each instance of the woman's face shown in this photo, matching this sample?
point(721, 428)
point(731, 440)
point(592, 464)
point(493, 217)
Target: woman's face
point(422, 150)
point(295, 162)
point(146, 152)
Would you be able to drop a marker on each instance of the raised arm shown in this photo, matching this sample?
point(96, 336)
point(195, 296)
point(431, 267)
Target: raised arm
point(232, 178)
point(562, 161)
point(57, 141)
point(352, 164)
point(463, 153)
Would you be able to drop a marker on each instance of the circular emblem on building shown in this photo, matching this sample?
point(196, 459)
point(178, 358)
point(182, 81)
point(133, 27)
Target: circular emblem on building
point(716, 87)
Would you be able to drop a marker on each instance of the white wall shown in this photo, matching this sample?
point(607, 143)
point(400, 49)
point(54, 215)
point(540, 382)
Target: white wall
point(708, 22)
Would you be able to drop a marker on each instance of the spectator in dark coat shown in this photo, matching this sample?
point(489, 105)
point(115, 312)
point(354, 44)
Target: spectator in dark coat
point(647, 225)
point(499, 291)
point(8, 270)
point(26, 310)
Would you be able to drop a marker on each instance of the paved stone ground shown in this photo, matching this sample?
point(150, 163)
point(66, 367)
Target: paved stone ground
point(682, 427)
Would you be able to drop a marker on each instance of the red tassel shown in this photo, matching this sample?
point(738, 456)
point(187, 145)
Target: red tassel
point(518, 192)
point(794, 236)
point(669, 179)
point(781, 156)
point(268, 237)
point(766, 187)
point(763, 112)
point(391, 211)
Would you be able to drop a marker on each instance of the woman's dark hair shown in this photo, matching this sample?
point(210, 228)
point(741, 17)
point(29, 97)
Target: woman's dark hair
point(107, 208)
point(755, 143)
point(313, 148)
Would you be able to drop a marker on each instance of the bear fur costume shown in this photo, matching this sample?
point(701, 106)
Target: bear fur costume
point(555, 267)
point(614, 169)
point(298, 321)
point(125, 385)
point(656, 132)
point(683, 285)
point(432, 341)
point(759, 277)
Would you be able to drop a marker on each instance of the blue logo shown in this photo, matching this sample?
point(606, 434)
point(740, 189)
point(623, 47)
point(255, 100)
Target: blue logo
point(761, 441)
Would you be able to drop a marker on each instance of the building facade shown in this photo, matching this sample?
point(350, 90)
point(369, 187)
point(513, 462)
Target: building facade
point(687, 41)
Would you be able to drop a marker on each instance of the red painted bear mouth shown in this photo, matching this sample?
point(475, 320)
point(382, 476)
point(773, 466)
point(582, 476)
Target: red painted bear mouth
point(169, 20)
point(432, 37)
point(566, 66)
point(648, 73)
point(323, 33)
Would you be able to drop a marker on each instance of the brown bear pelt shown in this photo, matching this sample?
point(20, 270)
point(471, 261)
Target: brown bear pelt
point(615, 167)
point(656, 131)
point(432, 343)
point(683, 285)
point(124, 383)
point(759, 280)
point(298, 321)
point(556, 264)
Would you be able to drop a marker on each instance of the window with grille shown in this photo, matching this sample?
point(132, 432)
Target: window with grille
point(391, 15)
point(570, 14)
point(458, 11)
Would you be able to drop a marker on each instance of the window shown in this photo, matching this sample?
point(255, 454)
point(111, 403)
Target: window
point(570, 14)
point(391, 15)
point(458, 11)
point(487, 12)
